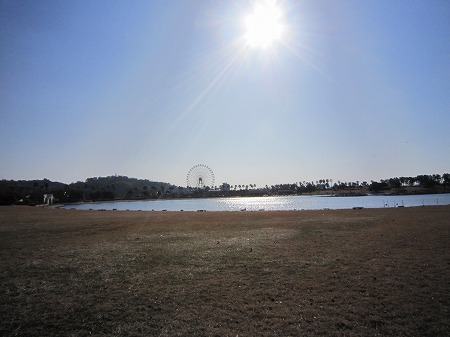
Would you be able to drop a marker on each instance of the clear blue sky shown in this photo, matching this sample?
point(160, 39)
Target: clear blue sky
point(355, 90)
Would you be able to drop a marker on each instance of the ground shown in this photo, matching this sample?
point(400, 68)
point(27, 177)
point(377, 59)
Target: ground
point(368, 272)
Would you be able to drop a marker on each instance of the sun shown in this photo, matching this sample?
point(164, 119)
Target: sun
point(264, 26)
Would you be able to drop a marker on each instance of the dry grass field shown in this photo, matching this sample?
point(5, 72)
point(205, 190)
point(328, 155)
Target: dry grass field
point(367, 272)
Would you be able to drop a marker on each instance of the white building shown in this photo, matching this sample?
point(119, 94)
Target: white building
point(48, 199)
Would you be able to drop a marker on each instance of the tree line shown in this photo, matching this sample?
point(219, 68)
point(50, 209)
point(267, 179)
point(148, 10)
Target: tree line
point(441, 184)
point(31, 192)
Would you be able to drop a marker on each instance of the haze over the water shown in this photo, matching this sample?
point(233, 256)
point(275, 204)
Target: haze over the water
point(263, 92)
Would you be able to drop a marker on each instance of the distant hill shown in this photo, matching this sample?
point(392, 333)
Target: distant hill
point(31, 192)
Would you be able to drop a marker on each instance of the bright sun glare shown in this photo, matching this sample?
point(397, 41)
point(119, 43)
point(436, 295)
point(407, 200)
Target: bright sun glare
point(264, 26)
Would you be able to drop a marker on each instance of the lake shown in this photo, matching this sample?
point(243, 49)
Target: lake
point(272, 203)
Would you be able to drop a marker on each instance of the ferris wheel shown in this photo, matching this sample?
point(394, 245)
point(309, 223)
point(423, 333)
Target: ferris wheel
point(200, 176)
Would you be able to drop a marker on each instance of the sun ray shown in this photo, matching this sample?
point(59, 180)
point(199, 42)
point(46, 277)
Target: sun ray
point(307, 61)
point(224, 66)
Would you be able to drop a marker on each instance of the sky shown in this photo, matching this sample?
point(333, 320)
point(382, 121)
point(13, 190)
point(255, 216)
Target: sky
point(351, 90)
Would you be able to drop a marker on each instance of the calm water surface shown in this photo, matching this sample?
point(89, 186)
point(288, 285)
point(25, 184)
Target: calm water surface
point(271, 203)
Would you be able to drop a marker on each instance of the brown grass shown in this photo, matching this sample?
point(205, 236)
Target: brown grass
point(307, 273)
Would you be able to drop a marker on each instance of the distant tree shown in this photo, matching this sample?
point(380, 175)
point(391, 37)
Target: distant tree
point(310, 187)
point(411, 181)
point(7, 198)
point(446, 179)
point(377, 187)
point(395, 182)
point(437, 179)
point(403, 180)
point(426, 181)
